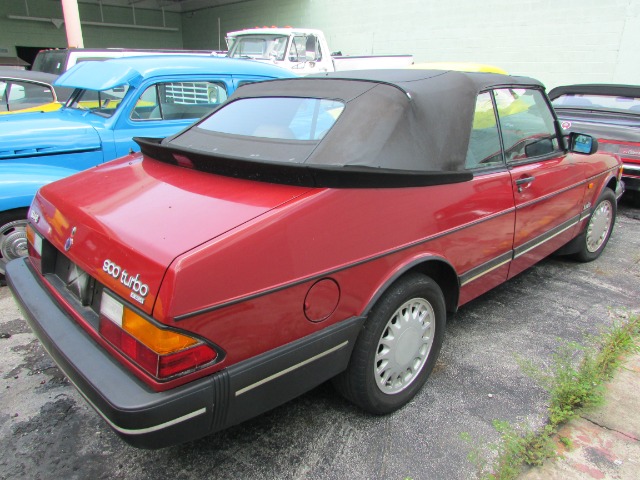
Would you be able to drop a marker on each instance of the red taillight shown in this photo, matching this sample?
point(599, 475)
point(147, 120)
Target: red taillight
point(185, 360)
point(627, 151)
point(136, 351)
point(160, 352)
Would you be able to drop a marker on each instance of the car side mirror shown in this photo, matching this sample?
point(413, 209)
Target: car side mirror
point(582, 143)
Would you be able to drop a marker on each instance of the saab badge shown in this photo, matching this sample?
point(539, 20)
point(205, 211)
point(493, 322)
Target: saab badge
point(33, 215)
point(69, 242)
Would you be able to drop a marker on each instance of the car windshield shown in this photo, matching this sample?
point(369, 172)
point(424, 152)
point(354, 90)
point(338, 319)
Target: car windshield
point(264, 47)
point(277, 118)
point(601, 102)
point(103, 102)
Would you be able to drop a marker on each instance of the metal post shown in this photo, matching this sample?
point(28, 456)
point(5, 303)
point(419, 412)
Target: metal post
point(72, 23)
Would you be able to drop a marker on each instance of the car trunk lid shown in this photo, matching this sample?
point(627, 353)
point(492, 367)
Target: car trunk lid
point(142, 214)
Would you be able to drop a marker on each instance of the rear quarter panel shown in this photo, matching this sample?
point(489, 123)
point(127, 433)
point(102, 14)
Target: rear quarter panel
point(246, 290)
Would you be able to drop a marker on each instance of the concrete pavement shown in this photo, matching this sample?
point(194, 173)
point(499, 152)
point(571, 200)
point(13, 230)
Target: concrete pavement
point(605, 442)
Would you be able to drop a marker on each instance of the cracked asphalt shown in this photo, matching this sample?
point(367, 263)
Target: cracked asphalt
point(48, 431)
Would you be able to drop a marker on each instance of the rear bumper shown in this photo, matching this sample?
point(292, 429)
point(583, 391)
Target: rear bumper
point(632, 184)
point(149, 419)
point(631, 176)
point(129, 407)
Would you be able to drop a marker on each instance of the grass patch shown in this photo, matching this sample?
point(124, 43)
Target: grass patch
point(575, 382)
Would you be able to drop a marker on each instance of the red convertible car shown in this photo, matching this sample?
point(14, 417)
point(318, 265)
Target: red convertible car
point(309, 229)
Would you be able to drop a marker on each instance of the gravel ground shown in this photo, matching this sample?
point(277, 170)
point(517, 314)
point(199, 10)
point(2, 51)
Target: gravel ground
point(48, 431)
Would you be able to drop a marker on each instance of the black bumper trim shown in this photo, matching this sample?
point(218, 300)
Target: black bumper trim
point(148, 419)
point(126, 403)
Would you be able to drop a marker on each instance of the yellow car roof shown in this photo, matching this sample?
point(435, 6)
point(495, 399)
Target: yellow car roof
point(459, 66)
point(47, 107)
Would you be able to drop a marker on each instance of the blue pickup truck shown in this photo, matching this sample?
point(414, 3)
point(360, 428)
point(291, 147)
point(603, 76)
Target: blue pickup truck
point(113, 101)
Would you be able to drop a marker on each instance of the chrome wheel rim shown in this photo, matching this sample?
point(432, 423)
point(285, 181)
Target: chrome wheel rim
point(13, 242)
point(404, 346)
point(599, 226)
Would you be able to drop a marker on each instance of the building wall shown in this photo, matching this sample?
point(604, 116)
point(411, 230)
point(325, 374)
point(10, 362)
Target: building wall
point(573, 41)
point(28, 33)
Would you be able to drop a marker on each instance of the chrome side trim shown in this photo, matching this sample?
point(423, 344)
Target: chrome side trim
point(485, 268)
point(505, 258)
point(155, 428)
point(545, 237)
point(291, 368)
point(325, 273)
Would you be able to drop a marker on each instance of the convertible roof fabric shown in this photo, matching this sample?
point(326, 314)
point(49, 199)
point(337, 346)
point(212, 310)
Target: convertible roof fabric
point(396, 124)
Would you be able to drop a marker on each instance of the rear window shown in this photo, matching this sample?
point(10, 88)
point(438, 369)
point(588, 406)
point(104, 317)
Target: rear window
point(18, 95)
point(277, 118)
point(606, 102)
point(50, 61)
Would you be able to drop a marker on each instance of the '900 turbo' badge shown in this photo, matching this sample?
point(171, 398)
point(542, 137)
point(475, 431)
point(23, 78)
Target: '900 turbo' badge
point(139, 289)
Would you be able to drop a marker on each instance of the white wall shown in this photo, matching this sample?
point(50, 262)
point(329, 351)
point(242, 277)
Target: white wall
point(556, 41)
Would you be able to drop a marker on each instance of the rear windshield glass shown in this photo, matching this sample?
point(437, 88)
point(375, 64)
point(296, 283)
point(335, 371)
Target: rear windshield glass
point(50, 61)
point(277, 118)
point(606, 102)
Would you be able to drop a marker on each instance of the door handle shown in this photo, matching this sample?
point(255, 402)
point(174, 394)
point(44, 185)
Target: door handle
point(522, 181)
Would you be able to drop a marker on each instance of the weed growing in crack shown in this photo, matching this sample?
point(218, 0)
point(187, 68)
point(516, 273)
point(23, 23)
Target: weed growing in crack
point(575, 383)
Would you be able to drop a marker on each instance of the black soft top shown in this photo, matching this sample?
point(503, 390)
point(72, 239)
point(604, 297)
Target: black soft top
point(398, 128)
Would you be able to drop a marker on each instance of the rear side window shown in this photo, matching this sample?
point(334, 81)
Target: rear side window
point(17, 95)
point(178, 100)
point(526, 123)
point(277, 118)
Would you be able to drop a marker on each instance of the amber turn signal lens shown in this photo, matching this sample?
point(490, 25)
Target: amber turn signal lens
point(158, 340)
point(160, 352)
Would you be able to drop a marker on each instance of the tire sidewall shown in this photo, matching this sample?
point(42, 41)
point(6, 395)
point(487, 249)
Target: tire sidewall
point(584, 254)
point(7, 217)
point(410, 287)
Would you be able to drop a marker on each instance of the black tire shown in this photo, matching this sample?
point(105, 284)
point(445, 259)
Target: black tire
point(599, 227)
point(361, 382)
point(12, 237)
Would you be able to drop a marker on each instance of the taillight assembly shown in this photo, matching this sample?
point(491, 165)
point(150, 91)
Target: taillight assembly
point(34, 246)
point(162, 353)
point(627, 151)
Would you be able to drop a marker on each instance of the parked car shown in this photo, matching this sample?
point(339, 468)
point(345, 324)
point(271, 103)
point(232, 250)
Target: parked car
point(113, 101)
point(26, 91)
point(609, 112)
point(308, 229)
point(459, 66)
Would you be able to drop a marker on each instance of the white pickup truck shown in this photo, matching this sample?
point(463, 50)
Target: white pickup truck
point(303, 51)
